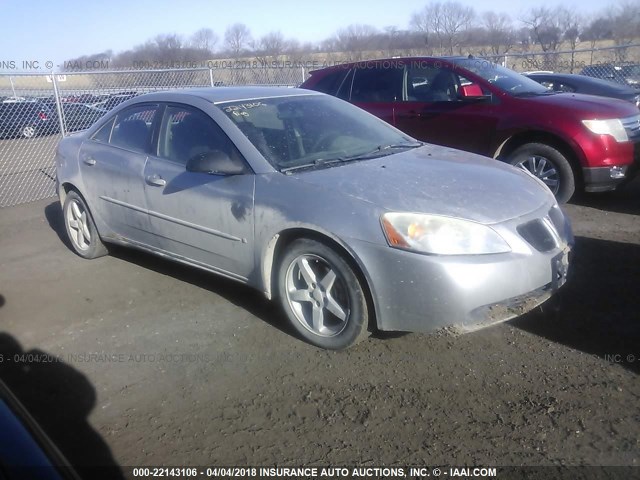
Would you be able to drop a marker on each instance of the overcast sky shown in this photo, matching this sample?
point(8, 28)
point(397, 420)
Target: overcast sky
point(49, 30)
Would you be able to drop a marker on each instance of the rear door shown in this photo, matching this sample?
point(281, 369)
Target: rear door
point(112, 166)
point(377, 88)
point(205, 218)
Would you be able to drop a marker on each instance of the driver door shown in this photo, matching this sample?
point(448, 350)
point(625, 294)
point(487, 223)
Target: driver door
point(203, 217)
point(433, 111)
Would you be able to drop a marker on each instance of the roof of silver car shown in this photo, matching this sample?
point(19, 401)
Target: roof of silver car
point(230, 94)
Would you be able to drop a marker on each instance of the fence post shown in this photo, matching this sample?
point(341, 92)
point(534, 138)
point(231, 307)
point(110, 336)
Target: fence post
point(211, 76)
point(59, 109)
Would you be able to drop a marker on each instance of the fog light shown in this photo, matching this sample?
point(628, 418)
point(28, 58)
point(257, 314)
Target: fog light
point(617, 172)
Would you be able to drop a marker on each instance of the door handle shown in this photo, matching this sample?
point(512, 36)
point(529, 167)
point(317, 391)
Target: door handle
point(413, 114)
point(89, 161)
point(156, 181)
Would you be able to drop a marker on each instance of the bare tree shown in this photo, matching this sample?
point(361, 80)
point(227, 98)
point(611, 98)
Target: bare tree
point(625, 22)
point(355, 39)
point(448, 22)
point(167, 42)
point(237, 38)
point(570, 23)
point(499, 33)
point(272, 44)
point(543, 23)
point(428, 21)
point(204, 39)
point(598, 29)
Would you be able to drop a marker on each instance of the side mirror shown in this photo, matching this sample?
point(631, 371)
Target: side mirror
point(473, 91)
point(215, 162)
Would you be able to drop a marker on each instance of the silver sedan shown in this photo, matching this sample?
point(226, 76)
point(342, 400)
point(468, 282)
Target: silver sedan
point(349, 223)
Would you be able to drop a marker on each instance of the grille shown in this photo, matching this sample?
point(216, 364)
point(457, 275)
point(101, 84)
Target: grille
point(538, 234)
point(557, 219)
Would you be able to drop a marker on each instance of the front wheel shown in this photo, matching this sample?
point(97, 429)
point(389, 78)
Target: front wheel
point(80, 227)
point(549, 165)
point(322, 296)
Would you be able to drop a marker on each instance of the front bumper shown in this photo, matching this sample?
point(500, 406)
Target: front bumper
point(610, 177)
point(604, 179)
point(423, 293)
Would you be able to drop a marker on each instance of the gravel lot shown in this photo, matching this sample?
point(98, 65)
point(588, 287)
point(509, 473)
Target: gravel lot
point(137, 361)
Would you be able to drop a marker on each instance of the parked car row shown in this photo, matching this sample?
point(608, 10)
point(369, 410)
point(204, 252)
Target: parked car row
point(30, 119)
point(569, 141)
point(628, 74)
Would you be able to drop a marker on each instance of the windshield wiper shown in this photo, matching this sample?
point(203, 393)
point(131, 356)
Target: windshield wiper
point(315, 163)
point(352, 158)
point(534, 94)
point(382, 148)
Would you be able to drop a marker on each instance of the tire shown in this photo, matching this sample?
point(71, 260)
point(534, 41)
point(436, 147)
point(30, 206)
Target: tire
point(81, 228)
point(28, 131)
point(549, 165)
point(322, 296)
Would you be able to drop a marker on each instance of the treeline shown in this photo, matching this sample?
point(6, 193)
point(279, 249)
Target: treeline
point(439, 28)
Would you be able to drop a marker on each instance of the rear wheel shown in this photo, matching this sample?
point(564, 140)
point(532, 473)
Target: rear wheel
point(80, 227)
point(549, 165)
point(322, 296)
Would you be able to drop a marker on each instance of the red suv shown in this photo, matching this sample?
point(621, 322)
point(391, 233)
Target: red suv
point(567, 140)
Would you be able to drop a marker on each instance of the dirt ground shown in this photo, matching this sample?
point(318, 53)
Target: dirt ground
point(131, 360)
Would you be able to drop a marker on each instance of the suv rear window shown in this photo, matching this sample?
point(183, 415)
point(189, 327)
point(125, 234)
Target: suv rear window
point(331, 82)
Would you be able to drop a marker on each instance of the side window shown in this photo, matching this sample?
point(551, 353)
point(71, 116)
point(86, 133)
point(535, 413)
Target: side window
point(104, 134)
point(187, 132)
point(432, 84)
point(132, 128)
point(331, 82)
point(377, 84)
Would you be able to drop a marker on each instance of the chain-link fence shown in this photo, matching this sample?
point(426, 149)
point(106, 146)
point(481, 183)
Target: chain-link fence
point(610, 63)
point(36, 110)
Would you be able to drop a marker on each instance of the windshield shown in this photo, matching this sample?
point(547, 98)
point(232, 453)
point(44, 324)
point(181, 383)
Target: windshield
point(311, 130)
point(503, 78)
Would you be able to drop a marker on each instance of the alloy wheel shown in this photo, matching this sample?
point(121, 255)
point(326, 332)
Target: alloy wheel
point(317, 295)
point(78, 225)
point(542, 168)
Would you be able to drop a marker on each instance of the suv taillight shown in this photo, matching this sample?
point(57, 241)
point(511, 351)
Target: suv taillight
point(42, 115)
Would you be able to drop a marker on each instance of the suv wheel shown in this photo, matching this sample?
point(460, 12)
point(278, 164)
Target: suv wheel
point(549, 165)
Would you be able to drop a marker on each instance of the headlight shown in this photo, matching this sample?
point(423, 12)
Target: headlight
point(611, 127)
point(441, 235)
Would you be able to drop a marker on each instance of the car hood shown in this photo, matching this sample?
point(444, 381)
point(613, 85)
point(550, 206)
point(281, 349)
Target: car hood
point(586, 106)
point(439, 181)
